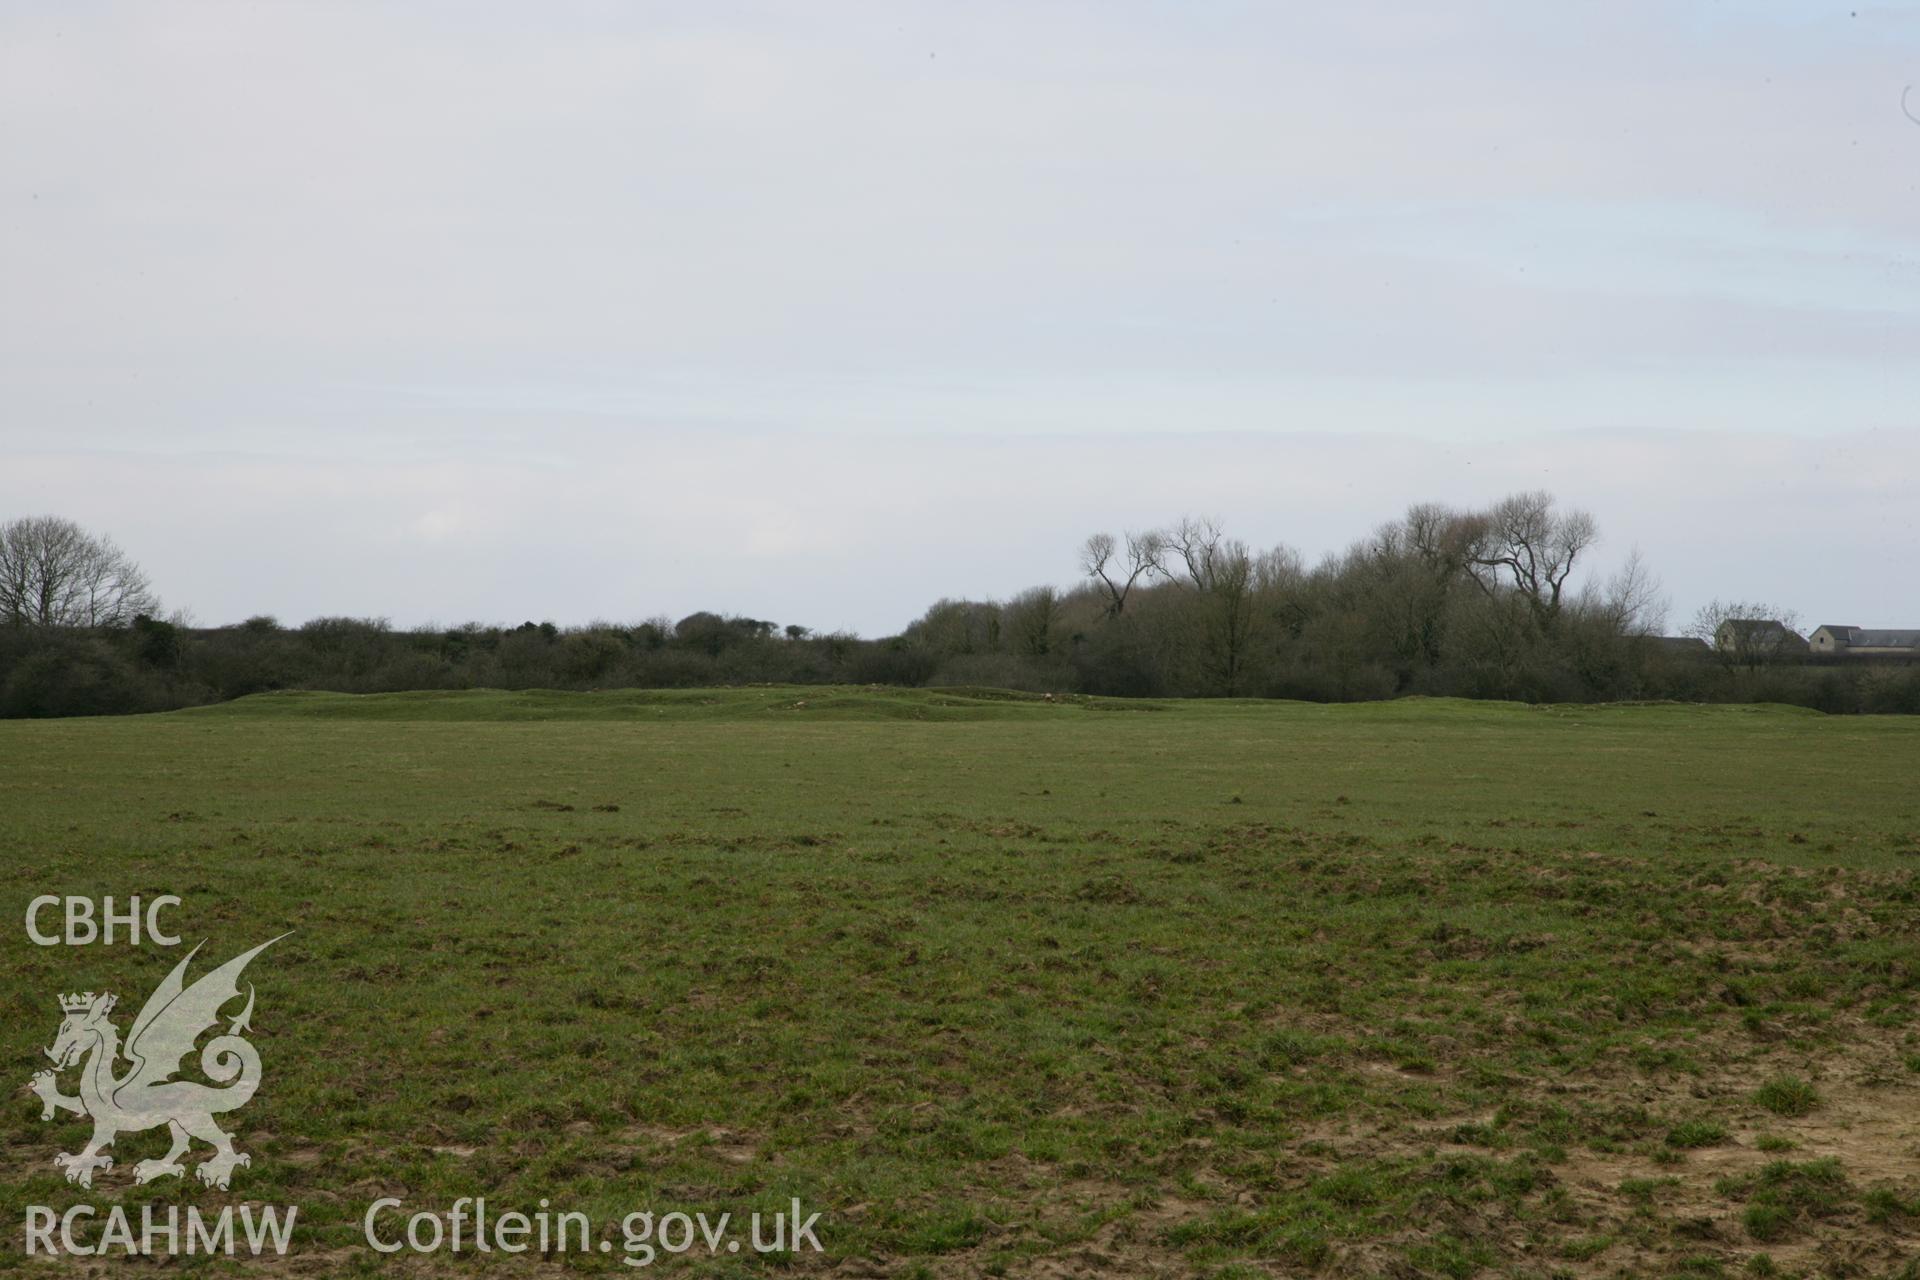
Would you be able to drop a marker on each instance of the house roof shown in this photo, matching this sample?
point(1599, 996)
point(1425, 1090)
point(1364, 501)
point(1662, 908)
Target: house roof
point(1756, 625)
point(1838, 632)
point(1884, 639)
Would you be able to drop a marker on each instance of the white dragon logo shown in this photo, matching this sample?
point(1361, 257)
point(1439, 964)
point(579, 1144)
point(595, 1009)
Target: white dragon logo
point(147, 1096)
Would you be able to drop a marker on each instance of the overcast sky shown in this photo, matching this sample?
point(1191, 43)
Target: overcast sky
point(819, 311)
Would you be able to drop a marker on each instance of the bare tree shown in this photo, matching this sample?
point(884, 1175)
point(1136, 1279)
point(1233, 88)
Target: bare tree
point(959, 626)
point(1523, 542)
point(1631, 603)
point(1201, 551)
point(1033, 618)
point(53, 573)
point(1117, 581)
point(1399, 585)
point(1237, 595)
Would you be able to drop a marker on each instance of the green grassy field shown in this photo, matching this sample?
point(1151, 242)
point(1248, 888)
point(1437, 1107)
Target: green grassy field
point(1006, 986)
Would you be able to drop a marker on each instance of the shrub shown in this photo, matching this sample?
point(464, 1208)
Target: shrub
point(77, 676)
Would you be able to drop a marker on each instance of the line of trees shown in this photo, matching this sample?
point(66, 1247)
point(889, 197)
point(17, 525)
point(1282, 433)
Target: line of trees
point(1494, 602)
point(1481, 603)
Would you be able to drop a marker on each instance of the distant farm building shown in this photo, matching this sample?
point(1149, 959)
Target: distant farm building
point(1758, 636)
point(1863, 642)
